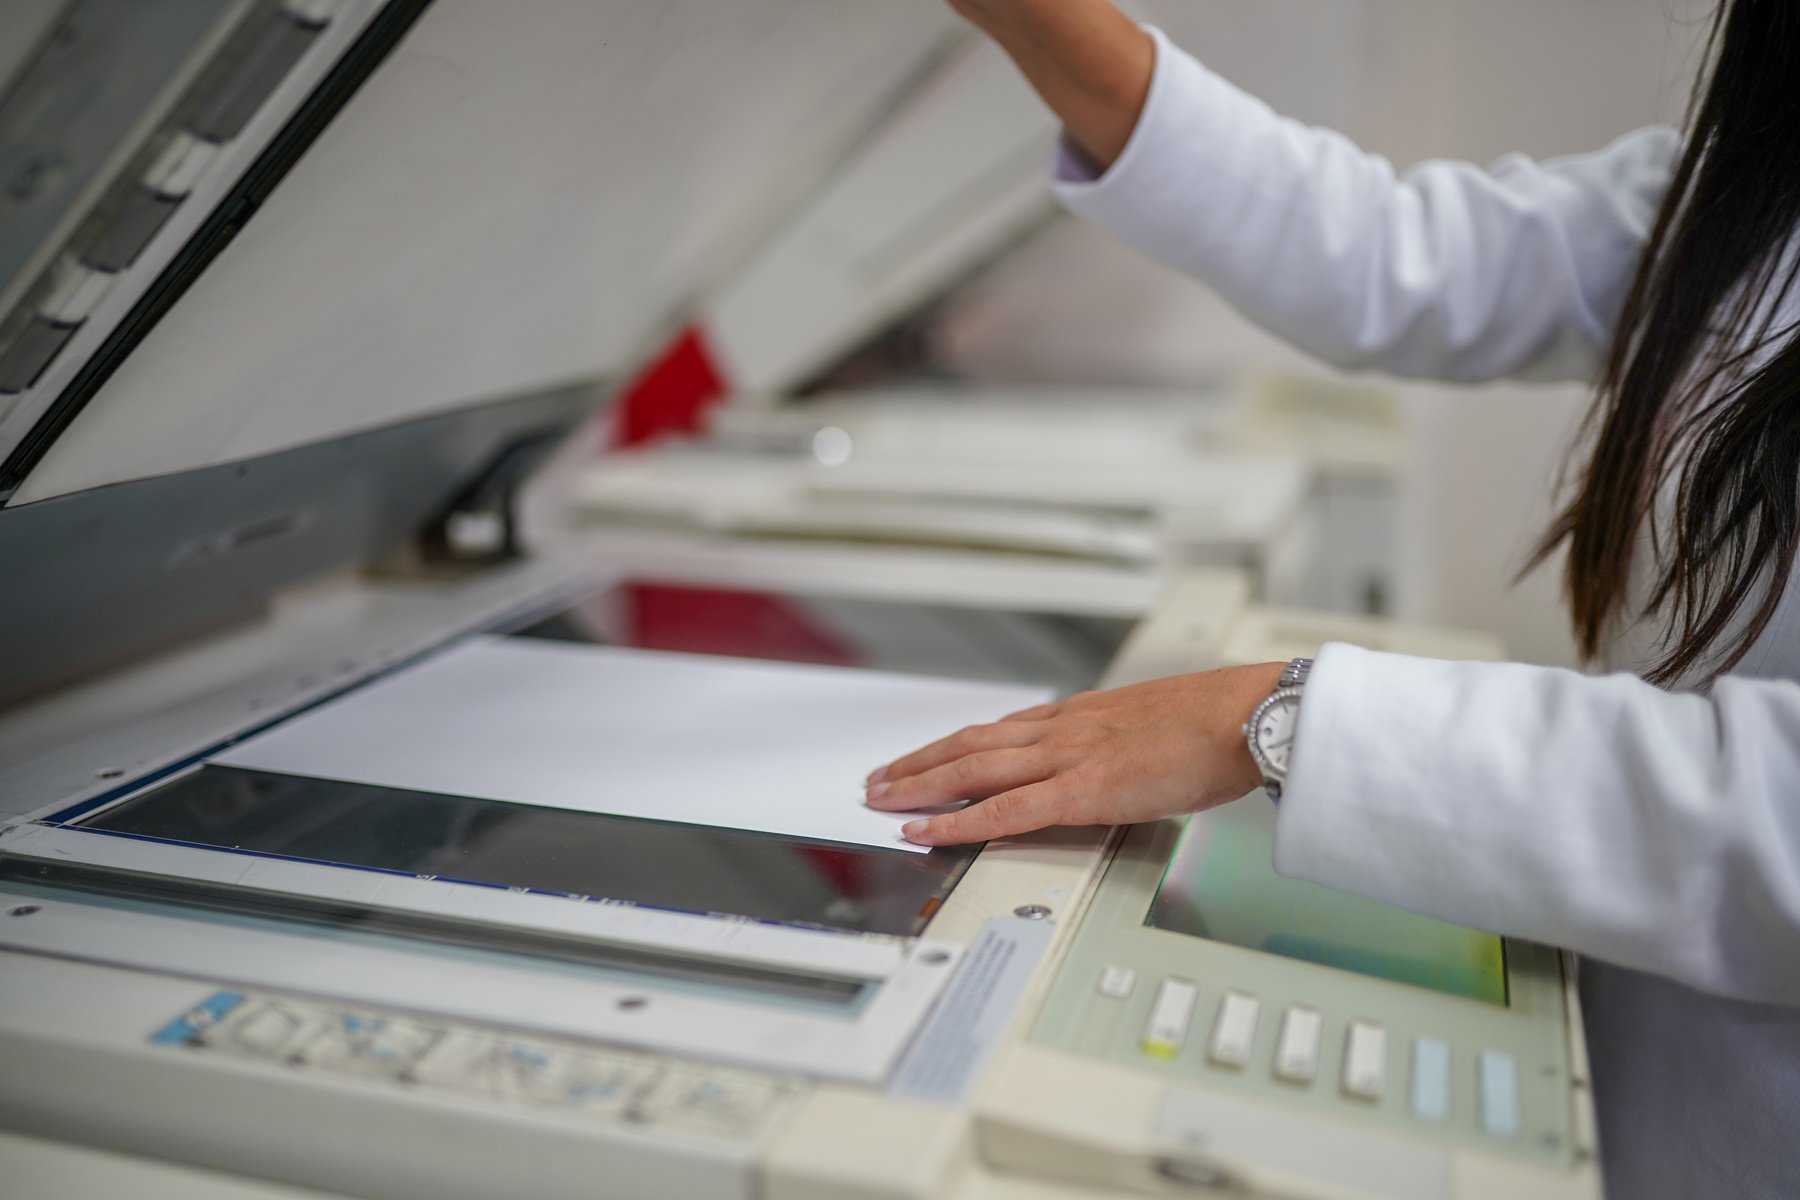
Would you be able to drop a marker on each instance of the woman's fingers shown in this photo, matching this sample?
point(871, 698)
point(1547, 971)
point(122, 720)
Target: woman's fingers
point(970, 777)
point(973, 740)
point(1016, 729)
point(1022, 810)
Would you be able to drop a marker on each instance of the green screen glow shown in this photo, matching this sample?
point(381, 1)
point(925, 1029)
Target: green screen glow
point(1224, 887)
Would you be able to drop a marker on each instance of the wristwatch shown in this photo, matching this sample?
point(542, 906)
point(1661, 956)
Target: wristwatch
point(1271, 728)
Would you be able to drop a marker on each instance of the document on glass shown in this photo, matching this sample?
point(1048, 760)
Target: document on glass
point(770, 747)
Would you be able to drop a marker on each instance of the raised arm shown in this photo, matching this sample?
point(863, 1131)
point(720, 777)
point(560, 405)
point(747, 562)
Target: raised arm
point(1448, 271)
point(1090, 63)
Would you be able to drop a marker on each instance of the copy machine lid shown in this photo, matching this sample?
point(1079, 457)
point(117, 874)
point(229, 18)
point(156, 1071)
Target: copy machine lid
point(517, 195)
point(295, 270)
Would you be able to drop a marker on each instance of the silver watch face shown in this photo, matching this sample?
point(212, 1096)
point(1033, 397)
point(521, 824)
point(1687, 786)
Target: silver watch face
point(1273, 736)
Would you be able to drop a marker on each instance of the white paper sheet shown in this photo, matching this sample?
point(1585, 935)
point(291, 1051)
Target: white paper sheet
point(772, 747)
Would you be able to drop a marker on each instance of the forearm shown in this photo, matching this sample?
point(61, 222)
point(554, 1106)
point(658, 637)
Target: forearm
point(1447, 272)
point(1089, 61)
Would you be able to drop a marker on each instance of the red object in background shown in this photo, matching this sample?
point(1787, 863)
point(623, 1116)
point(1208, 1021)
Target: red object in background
point(672, 395)
point(744, 625)
point(741, 624)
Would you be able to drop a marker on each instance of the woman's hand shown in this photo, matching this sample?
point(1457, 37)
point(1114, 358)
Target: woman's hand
point(1100, 758)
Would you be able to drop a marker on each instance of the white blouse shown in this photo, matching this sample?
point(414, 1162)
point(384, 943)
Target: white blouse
point(1655, 832)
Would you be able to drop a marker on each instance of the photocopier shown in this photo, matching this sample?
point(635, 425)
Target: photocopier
point(305, 308)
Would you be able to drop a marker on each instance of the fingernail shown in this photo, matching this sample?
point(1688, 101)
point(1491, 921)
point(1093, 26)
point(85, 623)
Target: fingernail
point(877, 791)
point(916, 831)
point(876, 776)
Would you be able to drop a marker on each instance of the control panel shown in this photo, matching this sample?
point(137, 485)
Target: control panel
point(1235, 1034)
point(604, 1084)
point(1285, 1022)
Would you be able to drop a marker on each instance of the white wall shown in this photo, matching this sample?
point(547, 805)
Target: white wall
point(1546, 77)
point(1409, 79)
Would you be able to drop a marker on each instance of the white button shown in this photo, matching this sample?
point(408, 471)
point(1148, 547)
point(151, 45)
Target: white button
point(269, 1030)
point(1365, 1060)
point(1297, 1045)
point(180, 165)
point(1170, 1014)
point(1431, 1080)
point(1499, 1076)
point(728, 1105)
point(1234, 1029)
point(1117, 981)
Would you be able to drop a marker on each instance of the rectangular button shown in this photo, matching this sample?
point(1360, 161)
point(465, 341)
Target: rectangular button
point(1365, 1060)
point(1234, 1029)
point(1499, 1078)
point(1431, 1080)
point(269, 1030)
point(1170, 1014)
point(1297, 1045)
point(1117, 981)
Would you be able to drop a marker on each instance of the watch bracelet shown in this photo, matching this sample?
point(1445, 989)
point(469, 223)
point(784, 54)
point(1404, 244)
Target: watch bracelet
point(1295, 673)
point(1292, 676)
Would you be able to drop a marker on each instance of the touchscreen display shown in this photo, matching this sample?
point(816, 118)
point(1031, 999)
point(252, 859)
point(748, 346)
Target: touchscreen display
point(1220, 884)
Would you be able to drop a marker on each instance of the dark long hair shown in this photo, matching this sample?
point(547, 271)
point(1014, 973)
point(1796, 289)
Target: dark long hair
point(1701, 388)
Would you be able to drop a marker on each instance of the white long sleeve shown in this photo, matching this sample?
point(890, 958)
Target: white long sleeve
point(1656, 830)
point(1448, 271)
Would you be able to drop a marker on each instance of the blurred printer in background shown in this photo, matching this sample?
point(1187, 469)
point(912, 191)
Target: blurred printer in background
point(806, 406)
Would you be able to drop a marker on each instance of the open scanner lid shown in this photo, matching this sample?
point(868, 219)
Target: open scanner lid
point(279, 279)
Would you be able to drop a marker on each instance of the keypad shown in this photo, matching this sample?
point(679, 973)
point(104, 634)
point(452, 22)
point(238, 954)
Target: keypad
point(1234, 1030)
point(1297, 1045)
point(1426, 1073)
point(1431, 1080)
point(1498, 1077)
point(1365, 1061)
point(1171, 1012)
point(1117, 982)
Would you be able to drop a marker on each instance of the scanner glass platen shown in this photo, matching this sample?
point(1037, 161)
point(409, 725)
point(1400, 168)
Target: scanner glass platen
point(456, 838)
